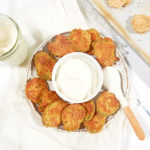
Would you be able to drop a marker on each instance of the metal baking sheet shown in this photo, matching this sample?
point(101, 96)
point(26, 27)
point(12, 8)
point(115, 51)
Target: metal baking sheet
point(120, 20)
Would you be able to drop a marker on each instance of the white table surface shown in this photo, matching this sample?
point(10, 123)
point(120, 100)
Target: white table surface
point(140, 79)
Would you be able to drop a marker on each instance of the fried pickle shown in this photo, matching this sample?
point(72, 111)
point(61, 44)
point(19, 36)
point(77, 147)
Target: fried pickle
point(94, 37)
point(80, 39)
point(94, 34)
point(104, 49)
point(90, 109)
point(72, 117)
point(116, 3)
point(51, 116)
point(47, 98)
point(44, 64)
point(141, 23)
point(96, 124)
point(107, 104)
point(35, 88)
point(61, 46)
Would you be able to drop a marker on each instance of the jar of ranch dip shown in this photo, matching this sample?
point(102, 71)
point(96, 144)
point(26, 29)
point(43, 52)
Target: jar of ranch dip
point(12, 47)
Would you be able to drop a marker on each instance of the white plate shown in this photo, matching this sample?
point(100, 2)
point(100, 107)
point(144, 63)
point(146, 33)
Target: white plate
point(120, 66)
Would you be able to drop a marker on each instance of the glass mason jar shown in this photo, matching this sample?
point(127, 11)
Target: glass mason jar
point(13, 50)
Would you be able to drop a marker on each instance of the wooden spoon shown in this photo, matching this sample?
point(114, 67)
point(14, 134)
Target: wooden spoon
point(112, 83)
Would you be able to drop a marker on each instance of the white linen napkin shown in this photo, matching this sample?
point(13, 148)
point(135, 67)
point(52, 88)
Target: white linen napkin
point(21, 127)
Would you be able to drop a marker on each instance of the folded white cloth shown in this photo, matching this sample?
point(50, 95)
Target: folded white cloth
point(21, 127)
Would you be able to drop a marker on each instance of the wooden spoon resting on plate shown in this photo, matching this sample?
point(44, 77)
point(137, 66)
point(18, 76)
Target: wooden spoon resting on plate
point(112, 83)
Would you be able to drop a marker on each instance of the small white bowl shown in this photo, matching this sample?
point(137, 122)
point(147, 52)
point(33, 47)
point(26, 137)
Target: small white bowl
point(92, 62)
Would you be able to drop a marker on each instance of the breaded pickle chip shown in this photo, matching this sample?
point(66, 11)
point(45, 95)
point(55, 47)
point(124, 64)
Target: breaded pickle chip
point(47, 98)
point(35, 88)
point(61, 46)
point(44, 64)
point(94, 34)
point(107, 104)
point(104, 49)
point(96, 124)
point(51, 116)
point(116, 3)
point(80, 39)
point(94, 37)
point(72, 116)
point(90, 109)
point(141, 23)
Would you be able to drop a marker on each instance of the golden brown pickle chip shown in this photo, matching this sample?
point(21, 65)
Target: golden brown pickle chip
point(94, 34)
point(94, 37)
point(104, 49)
point(107, 104)
point(116, 3)
point(141, 23)
point(61, 46)
point(51, 116)
point(96, 124)
point(47, 98)
point(35, 88)
point(72, 117)
point(44, 64)
point(90, 109)
point(80, 39)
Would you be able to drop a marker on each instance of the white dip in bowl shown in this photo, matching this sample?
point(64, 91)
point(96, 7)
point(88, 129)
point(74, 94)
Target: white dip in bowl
point(77, 77)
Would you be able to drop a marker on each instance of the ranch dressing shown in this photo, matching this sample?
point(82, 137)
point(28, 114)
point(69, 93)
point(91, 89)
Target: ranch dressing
point(12, 46)
point(8, 34)
point(77, 78)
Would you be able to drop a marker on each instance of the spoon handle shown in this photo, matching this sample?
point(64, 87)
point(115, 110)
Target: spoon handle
point(134, 123)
